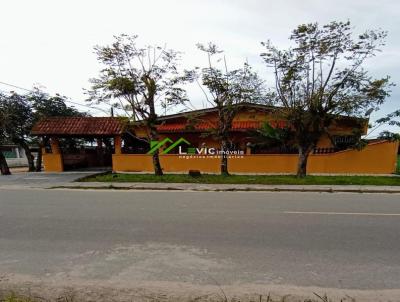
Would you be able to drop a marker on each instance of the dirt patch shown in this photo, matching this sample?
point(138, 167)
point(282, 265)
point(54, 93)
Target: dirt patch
point(99, 291)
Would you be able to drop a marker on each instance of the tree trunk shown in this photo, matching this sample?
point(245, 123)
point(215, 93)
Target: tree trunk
point(156, 158)
point(39, 159)
point(152, 120)
point(3, 165)
point(224, 159)
point(156, 163)
point(29, 156)
point(304, 152)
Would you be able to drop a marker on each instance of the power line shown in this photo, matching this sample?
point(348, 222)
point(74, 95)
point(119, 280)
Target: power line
point(68, 101)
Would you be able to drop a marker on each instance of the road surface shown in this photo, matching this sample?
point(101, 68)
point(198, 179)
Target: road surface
point(345, 241)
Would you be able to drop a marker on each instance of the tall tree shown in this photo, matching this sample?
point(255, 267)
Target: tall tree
point(138, 80)
point(4, 169)
point(19, 112)
point(322, 77)
point(17, 117)
point(228, 90)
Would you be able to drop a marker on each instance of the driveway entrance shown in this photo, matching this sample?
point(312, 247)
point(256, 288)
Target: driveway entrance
point(22, 180)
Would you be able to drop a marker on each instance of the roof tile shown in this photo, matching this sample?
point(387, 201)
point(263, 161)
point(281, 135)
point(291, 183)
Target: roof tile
point(237, 125)
point(79, 126)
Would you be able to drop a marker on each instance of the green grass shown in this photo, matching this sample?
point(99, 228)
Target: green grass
point(15, 298)
point(247, 179)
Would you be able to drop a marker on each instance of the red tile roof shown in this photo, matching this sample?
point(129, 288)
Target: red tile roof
point(79, 126)
point(238, 125)
point(246, 125)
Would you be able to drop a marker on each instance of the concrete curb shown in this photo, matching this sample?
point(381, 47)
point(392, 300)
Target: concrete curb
point(227, 187)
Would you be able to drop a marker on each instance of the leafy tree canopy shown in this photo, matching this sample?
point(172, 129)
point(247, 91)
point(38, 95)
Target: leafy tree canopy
point(227, 90)
point(322, 77)
point(392, 119)
point(137, 79)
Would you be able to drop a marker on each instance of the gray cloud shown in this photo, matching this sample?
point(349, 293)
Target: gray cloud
point(50, 42)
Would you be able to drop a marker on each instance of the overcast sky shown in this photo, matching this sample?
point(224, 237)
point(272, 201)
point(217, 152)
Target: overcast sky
point(50, 42)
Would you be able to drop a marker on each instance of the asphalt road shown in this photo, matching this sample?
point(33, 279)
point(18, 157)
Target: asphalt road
point(349, 241)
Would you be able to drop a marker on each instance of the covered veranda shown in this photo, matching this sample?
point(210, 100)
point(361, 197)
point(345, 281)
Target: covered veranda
point(76, 143)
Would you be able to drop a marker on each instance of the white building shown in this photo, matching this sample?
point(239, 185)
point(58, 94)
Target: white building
point(15, 155)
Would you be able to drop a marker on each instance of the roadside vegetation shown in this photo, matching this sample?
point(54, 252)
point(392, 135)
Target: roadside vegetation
point(19, 113)
point(209, 298)
point(247, 179)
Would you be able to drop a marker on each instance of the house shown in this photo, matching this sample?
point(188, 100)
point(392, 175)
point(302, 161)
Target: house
point(197, 127)
point(186, 142)
point(15, 155)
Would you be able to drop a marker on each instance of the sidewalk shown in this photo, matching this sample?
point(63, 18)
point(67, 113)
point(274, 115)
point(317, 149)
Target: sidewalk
point(67, 180)
point(227, 187)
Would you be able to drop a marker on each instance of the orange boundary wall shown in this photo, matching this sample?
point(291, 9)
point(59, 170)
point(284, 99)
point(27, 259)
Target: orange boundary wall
point(376, 158)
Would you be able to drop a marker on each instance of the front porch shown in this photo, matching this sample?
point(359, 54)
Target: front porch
point(79, 143)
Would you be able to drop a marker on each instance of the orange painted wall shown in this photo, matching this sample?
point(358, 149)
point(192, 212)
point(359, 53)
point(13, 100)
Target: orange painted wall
point(53, 162)
point(264, 163)
point(377, 158)
point(169, 163)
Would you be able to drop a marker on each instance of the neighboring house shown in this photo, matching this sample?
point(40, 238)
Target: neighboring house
point(15, 155)
point(127, 148)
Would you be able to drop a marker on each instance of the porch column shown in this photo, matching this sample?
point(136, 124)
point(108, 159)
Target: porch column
point(117, 144)
point(117, 151)
point(42, 144)
point(248, 149)
point(100, 151)
point(99, 143)
point(55, 145)
point(53, 162)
